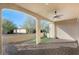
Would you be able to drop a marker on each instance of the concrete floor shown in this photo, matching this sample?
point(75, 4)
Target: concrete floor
point(55, 47)
point(55, 51)
point(12, 50)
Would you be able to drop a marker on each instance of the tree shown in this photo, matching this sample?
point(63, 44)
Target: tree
point(29, 25)
point(44, 27)
point(8, 26)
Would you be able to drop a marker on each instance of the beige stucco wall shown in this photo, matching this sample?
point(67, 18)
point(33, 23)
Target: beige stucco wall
point(51, 30)
point(77, 30)
point(67, 29)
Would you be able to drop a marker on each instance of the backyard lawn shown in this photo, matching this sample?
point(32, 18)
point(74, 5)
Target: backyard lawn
point(43, 40)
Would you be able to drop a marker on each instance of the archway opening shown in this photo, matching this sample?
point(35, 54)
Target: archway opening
point(18, 26)
point(45, 31)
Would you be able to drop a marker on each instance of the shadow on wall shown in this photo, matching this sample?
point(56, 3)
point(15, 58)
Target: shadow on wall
point(67, 29)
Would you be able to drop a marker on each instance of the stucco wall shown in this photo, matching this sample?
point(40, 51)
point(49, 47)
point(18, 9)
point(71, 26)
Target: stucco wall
point(77, 30)
point(67, 29)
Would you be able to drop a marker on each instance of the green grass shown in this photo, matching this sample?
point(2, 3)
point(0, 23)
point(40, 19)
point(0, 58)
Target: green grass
point(43, 40)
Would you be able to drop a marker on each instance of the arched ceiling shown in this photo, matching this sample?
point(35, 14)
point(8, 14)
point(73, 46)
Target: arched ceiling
point(69, 11)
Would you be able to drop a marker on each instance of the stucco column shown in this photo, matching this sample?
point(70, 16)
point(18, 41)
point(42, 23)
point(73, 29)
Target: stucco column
point(38, 39)
point(52, 30)
point(77, 31)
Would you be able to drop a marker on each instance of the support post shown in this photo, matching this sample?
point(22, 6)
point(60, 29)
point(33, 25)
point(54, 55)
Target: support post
point(38, 39)
point(52, 30)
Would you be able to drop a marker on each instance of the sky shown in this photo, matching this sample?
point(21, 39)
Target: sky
point(16, 17)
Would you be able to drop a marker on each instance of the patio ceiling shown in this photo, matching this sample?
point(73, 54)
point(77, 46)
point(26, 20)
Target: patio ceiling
point(68, 11)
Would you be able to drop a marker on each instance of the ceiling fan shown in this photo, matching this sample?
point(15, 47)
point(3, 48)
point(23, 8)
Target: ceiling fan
point(56, 15)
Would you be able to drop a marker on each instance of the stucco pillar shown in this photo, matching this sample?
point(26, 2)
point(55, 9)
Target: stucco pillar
point(38, 39)
point(52, 30)
point(77, 31)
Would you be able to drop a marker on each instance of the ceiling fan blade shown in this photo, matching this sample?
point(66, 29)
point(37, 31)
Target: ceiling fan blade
point(57, 16)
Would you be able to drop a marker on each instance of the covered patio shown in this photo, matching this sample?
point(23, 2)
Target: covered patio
point(63, 31)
